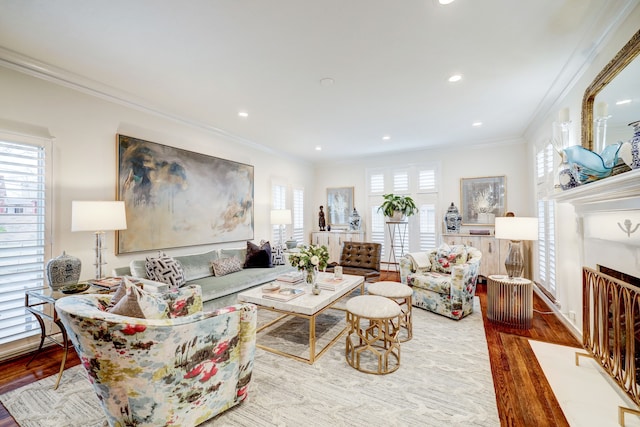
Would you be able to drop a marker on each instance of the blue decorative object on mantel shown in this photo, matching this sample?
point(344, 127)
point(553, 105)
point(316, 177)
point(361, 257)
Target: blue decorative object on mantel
point(586, 166)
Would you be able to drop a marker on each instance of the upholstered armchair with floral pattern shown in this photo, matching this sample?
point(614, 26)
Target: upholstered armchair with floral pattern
point(180, 369)
point(443, 279)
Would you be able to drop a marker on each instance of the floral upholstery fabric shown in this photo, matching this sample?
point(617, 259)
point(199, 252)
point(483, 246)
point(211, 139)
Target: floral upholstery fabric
point(447, 293)
point(179, 371)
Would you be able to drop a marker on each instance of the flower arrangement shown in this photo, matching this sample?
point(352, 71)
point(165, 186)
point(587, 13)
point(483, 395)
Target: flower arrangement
point(310, 257)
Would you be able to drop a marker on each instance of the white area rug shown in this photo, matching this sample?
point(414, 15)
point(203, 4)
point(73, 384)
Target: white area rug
point(444, 379)
point(587, 396)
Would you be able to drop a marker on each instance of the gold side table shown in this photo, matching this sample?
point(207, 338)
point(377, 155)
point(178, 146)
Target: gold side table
point(510, 301)
point(41, 302)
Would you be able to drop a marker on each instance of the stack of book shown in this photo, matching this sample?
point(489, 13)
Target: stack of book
point(109, 283)
point(284, 294)
point(292, 277)
point(329, 282)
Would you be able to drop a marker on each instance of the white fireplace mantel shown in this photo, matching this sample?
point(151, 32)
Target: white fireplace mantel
point(620, 192)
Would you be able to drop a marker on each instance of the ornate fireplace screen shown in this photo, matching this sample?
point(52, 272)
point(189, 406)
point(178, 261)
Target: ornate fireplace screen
point(611, 328)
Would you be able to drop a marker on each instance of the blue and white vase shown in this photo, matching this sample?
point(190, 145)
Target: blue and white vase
point(630, 150)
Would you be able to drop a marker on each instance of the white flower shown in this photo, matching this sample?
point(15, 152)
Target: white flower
point(315, 260)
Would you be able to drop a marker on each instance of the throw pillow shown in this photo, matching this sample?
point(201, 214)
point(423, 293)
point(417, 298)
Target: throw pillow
point(165, 269)
point(138, 303)
point(224, 266)
point(277, 253)
point(258, 256)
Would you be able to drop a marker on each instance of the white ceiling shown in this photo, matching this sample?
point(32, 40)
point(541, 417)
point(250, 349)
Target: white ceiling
point(205, 60)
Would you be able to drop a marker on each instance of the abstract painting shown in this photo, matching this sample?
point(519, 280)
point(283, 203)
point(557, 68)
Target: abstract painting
point(177, 198)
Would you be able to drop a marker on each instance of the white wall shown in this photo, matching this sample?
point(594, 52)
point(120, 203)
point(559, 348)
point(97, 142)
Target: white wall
point(509, 159)
point(85, 129)
point(572, 252)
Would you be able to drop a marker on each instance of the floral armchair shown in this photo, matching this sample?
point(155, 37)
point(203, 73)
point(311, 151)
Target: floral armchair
point(443, 279)
point(181, 369)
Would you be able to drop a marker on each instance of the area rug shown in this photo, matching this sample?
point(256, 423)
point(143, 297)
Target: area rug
point(444, 379)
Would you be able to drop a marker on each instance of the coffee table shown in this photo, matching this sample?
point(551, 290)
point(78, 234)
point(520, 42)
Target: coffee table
point(307, 306)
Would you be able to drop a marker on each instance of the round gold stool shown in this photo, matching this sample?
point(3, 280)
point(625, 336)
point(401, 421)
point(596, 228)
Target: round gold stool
point(373, 347)
point(401, 294)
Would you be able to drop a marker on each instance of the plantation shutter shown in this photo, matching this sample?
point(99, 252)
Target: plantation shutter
point(22, 235)
point(298, 215)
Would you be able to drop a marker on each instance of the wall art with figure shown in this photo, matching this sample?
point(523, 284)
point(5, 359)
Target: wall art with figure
point(176, 198)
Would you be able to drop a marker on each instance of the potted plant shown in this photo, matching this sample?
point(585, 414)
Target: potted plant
point(396, 207)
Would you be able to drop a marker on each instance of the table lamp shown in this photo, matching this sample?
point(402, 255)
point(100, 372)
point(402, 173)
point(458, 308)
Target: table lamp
point(98, 216)
point(516, 229)
point(280, 217)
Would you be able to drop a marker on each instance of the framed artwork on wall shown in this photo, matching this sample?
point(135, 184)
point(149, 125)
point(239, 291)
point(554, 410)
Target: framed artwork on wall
point(177, 198)
point(483, 199)
point(339, 206)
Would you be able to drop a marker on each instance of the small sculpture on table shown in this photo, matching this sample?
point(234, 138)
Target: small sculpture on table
point(321, 221)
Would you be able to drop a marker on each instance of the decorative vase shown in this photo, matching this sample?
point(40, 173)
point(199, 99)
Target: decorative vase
point(312, 279)
point(63, 270)
point(354, 220)
point(630, 150)
point(452, 219)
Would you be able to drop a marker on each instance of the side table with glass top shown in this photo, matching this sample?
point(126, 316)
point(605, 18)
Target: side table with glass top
point(41, 303)
point(510, 301)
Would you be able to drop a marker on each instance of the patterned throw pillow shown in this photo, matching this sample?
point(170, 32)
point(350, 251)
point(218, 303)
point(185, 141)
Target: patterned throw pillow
point(258, 256)
point(137, 303)
point(447, 256)
point(224, 266)
point(277, 253)
point(165, 269)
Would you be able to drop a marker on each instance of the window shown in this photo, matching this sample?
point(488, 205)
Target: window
point(278, 201)
point(23, 233)
point(279, 198)
point(298, 215)
point(546, 218)
point(546, 245)
point(420, 233)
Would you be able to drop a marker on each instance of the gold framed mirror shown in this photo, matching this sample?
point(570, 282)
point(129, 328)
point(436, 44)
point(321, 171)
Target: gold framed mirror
point(624, 59)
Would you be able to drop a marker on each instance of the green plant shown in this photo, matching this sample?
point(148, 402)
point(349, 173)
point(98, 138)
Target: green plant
point(395, 203)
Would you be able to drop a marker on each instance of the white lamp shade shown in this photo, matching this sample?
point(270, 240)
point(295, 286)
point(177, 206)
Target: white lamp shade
point(281, 216)
point(517, 228)
point(98, 216)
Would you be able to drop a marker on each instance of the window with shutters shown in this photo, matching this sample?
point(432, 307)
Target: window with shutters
point(23, 234)
point(297, 212)
point(281, 194)
point(420, 233)
point(546, 256)
point(278, 201)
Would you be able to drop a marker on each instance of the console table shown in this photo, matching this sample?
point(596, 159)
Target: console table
point(510, 301)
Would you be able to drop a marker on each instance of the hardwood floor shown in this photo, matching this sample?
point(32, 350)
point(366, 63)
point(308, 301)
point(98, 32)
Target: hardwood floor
point(523, 395)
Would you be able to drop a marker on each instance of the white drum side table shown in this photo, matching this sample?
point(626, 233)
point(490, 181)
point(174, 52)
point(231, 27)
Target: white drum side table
point(510, 301)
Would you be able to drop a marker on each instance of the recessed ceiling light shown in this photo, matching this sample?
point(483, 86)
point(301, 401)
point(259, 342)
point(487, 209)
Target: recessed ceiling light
point(476, 124)
point(318, 148)
point(455, 78)
point(386, 137)
point(624, 101)
point(243, 114)
point(327, 81)
point(445, 1)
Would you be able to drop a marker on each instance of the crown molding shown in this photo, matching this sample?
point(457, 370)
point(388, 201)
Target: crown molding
point(32, 67)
